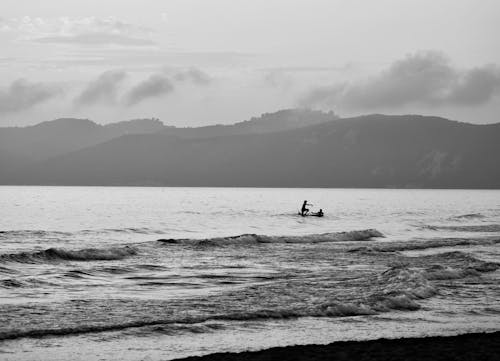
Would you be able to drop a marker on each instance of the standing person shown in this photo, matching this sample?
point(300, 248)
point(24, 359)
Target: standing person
point(304, 210)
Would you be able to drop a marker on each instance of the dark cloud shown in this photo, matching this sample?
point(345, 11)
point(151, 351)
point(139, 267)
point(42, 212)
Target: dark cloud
point(423, 78)
point(96, 39)
point(477, 86)
point(105, 88)
point(102, 90)
point(194, 75)
point(23, 94)
point(154, 86)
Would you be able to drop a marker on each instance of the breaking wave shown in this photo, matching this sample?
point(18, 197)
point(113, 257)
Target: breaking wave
point(333, 309)
point(60, 254)
point(439, 272)
point(397, 288)
point(401, 286)
point(255, 238)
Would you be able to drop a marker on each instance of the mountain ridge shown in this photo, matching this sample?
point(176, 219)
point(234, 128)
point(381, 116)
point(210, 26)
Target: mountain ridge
point(368, 151)
point(21, 147)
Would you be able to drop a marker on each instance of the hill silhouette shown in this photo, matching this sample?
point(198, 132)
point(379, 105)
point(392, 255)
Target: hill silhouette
point(21, 147)
point(368, 151)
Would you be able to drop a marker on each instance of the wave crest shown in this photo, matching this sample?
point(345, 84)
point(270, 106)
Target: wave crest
point(351, 236)
point(439, 272)
point(470, 216)
point(400, 284)
point(60, 254)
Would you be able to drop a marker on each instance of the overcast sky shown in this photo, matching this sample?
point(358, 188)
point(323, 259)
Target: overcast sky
point(194, 62)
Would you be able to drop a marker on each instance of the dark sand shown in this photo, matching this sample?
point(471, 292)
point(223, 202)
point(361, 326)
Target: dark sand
point(475, 346)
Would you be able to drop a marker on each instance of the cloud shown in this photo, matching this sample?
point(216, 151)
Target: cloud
point(310, 69)
point(105, 89)
point(278, 78)
point(477, 86)
point(79, 30)
point(23, 94)
point(102, 90)
point(194, 75)
point(163, 83)
point(154, 86)
point(96, 39)
point(426, 78)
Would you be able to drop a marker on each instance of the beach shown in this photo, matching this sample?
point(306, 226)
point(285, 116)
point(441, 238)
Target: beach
point(475, 346)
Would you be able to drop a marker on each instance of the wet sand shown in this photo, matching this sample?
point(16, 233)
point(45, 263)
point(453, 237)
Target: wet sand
point(470, 347)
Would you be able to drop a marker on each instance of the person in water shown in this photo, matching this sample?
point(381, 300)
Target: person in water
point(304, 210)
point(320, 213)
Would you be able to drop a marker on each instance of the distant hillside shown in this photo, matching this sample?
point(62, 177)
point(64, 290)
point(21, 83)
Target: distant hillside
point(22, 146)
point(267, 123)
point(368, 151)
point(135, 126)
point(63, 135)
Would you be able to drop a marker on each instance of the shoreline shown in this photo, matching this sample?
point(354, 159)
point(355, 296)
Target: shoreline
point(471, 346)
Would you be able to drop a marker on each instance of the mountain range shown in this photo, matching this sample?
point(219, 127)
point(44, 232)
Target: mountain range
point(289, 148)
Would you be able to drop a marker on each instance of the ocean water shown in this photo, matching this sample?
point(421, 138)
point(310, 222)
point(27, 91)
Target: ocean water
point(90, 273)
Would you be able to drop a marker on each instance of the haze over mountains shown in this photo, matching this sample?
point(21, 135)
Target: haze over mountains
point(289, 148)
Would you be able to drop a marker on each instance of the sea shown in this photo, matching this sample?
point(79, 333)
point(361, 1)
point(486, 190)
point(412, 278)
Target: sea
point(152, 273)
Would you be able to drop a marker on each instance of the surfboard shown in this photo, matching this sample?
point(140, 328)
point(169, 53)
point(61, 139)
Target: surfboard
point(310, 215)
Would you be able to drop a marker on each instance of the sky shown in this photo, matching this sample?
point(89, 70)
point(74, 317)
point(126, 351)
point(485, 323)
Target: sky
point(199, 62)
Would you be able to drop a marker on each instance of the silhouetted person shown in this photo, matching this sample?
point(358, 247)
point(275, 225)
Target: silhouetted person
point(304, 210)
point(320, 213)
